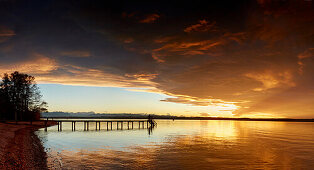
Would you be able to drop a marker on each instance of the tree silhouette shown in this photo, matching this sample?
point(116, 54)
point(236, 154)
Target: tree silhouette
point(20, 97)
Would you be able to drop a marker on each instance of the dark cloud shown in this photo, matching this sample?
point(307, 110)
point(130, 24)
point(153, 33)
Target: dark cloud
point(247, 57)
point(151, 18)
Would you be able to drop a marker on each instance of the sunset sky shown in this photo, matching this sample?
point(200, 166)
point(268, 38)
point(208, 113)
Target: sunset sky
point(222, 58)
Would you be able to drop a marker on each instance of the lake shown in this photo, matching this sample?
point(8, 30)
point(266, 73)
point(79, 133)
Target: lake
point(183, 144)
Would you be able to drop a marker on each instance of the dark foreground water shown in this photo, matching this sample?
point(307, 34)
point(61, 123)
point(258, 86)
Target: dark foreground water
point(183, 144)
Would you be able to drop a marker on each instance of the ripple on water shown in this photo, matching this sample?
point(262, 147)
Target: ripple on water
point(185, 144)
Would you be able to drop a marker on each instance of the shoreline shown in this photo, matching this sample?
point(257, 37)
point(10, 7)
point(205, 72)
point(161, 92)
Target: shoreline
point(188, 118)
point(20, 147)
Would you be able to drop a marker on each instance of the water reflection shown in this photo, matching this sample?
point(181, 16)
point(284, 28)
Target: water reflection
point(220, 129)
point(150, 130)
point(187, 145)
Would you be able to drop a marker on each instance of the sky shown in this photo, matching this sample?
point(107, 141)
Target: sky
point(222, 58)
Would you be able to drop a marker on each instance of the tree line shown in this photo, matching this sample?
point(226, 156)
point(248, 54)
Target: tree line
point(20, 98)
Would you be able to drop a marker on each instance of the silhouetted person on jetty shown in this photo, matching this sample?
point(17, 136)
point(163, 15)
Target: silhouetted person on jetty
point(151, 121)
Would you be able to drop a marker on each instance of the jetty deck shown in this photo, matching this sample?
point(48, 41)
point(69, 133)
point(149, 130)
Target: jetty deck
point(108, 123)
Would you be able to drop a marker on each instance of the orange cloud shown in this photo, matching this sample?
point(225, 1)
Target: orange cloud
point(306, 54)
point(309, 53)
point(163, 39)
point(202, 26)
point(142, 76)
point(128, 15)
point(40, 64)
point(151, 18)
point(77, 53)
point(128, 40)
point(213, 47)
point(46, 70)
point(158, 58)
point(271, 79)
point(196, 101)
point(5, 33)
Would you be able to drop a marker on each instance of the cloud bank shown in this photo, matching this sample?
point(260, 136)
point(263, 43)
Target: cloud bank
point(250, 59)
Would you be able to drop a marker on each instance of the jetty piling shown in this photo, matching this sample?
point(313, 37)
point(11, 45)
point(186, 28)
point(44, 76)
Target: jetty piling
point(119, 124)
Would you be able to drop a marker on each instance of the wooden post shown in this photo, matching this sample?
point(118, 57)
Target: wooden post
point(132, 124)
point(99, 125)
point(111, 124)
point(84, 125)
point(139, 124)
point(128, 125)
point(46, 126)
point(96, 125)
point(87, 125)
point(74, 126)
point(122, 125)
point(107, 125)
point(60, 126)
point(117, 125)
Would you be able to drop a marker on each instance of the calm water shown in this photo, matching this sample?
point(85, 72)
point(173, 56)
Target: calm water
point(183, 144)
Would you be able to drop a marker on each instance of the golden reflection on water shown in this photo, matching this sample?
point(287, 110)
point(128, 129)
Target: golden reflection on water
point(203, 144)
point(221, 129)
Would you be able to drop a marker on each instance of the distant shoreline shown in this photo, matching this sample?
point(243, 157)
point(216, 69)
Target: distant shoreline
point(187, 118)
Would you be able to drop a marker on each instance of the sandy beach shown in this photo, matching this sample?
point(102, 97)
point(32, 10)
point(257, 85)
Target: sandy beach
point(20, 148)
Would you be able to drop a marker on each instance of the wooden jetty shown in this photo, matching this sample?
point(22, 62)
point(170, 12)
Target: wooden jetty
point(109, 124)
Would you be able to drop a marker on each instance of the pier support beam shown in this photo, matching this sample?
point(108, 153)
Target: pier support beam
point(73, 125)
point(97, 127)
point(59, 126)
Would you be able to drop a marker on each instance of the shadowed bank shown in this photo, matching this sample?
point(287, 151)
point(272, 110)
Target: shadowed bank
point(20, 148)
point(20, 108)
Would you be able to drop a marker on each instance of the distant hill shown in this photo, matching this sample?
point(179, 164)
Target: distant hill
point(103, 115)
